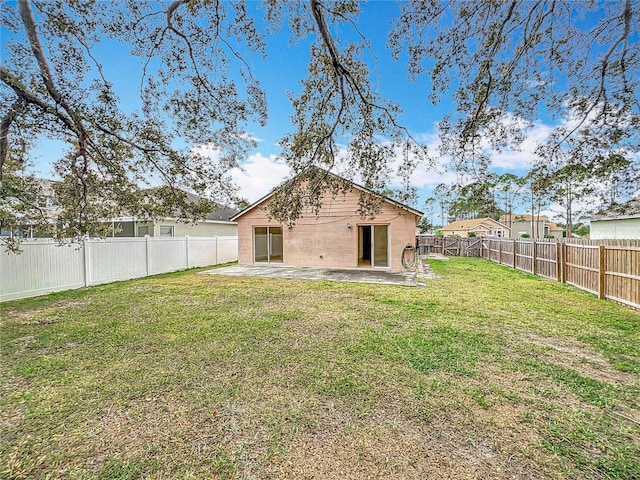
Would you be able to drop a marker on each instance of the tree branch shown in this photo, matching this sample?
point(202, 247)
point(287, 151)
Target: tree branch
point(602, 91)
point(21, 91)
point(18, 106)
point(38, 52)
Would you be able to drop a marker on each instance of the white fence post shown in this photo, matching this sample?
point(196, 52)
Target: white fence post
point(186, 242)
point(216, 249)
point(148, 253)
point(87, 261)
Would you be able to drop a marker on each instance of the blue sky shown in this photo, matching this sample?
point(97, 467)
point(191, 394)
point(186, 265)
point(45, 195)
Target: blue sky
point(281, 72)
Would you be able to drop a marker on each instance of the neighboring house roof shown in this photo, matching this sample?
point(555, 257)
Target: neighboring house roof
point(354, 185)
point(470, 225)
point(630, 209)
point(523, 217)
point(221, 212)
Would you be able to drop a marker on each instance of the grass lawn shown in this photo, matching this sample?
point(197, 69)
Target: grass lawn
point(485, 373)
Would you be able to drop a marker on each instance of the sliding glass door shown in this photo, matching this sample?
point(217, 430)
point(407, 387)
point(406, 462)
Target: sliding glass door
point(373, 246)
point(267, 244)
point(380, 246)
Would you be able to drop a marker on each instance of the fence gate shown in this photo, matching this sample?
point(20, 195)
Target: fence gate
point(474, 247)
point(451, 246)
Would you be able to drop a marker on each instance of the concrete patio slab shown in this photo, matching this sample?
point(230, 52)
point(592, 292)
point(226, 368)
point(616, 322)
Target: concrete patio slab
point(407, 279)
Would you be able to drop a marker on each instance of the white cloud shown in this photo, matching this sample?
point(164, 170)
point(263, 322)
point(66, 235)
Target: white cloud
point(256, 177)
point(259, 175)
point(424, 175)
point(522, 159)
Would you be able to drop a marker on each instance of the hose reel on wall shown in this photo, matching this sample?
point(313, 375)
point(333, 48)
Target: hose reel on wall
point(409, 257)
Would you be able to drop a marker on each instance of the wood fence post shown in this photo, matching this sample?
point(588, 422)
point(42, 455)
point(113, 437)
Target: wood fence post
point(499, 252)
point(559, 261)
point(533, 257)
point(563, 265)
point(514, 253)
point(601, 271)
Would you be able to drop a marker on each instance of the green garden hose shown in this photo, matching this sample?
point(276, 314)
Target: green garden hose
point(409, 257)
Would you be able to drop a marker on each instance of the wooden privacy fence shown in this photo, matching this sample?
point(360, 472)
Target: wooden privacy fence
point(44, 266)
point(456, 246)
point(607, 268)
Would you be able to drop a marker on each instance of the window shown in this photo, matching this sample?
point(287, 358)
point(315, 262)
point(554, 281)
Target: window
point(143, 230)
point(166, 231)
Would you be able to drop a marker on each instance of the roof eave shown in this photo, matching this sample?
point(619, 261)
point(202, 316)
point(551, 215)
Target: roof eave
point(619, 217)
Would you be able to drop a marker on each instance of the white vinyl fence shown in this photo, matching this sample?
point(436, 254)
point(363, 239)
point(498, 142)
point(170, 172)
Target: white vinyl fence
point(44, 266)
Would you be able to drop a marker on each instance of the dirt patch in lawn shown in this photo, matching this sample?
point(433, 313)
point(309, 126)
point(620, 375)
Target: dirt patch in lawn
point(581, 358)
point(41, 316)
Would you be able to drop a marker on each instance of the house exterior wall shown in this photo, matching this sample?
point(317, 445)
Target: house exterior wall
point(616, 229)
point(480, 231)
point(556, 233)
point(201, 229)
point(517, 228)
point(325, 240)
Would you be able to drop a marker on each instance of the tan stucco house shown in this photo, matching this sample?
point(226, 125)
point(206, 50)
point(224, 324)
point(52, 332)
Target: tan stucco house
point(337, 237)
point(537, 226)
point(479, 227)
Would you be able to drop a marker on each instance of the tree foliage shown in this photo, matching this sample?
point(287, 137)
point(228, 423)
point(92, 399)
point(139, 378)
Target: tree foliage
point(508, 191)
point(504, 63)
point(509, 63)
point(55, 88)
point(475, 200)
point(191, 52)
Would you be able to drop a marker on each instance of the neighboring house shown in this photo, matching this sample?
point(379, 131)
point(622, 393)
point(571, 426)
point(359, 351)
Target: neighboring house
point(169, 227)
point(619, 222)
point(216, 224)
point(554, 230)
point(537, 226)
point(479, 227)
point(336, 237)
point(48, 210)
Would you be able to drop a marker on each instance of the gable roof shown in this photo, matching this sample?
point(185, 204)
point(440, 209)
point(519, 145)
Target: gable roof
point(353, 185)
point(472, 223)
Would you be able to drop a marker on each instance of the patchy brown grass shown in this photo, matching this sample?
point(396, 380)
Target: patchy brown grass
point(192, 376)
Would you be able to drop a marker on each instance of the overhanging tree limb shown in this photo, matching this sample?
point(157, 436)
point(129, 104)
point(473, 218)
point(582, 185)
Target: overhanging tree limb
point(18, 106)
